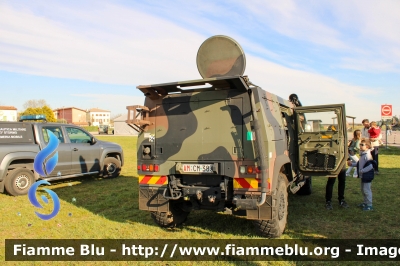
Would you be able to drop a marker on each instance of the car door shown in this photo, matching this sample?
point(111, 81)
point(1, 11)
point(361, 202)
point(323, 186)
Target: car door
point(63, 166)
point(85, 155)
point(321, 139)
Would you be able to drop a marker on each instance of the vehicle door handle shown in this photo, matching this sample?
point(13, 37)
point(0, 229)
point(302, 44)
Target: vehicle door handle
point(75, 149)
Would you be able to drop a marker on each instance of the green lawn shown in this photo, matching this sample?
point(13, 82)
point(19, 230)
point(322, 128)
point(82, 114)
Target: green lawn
point(94, 208)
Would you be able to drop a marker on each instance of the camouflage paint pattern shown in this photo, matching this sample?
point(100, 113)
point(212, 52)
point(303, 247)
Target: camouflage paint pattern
point(210, 122)
point(211, 126)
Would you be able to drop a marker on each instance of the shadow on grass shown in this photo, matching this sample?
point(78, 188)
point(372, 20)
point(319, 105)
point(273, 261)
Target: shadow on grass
point(117, 200)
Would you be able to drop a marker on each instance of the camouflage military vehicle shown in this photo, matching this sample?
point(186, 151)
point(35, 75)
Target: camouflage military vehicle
point(222, 143)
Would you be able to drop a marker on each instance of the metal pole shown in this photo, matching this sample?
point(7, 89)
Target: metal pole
point(386, 134)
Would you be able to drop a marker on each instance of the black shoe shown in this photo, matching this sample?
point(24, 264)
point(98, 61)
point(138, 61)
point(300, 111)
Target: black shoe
point(328, 205)
point(343, 204)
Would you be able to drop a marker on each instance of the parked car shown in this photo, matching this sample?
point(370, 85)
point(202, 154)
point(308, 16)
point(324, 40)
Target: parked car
point(79, 154)
point(103, 129)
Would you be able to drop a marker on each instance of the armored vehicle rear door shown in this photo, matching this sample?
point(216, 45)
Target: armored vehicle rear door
point(321, 139)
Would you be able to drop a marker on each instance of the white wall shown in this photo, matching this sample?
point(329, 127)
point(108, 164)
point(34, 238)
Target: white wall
point(97, 116)
point(8, 115)
point(122, 128)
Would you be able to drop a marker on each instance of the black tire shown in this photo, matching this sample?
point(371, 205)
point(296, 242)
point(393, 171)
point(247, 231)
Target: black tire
point(276, 226)
point(18, 181)
point(111, 168)
point(175, 217)
point(306, 189)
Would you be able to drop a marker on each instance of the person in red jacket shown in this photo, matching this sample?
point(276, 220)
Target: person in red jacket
point(374, 136)
point(374, 131)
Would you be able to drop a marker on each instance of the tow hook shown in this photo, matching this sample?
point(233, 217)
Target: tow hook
point(175, 196)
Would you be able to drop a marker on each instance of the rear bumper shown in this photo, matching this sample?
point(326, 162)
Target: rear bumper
point(151, 199)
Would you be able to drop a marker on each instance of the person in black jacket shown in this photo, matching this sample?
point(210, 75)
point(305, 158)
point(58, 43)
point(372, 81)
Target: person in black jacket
point(365, 169)
point(341, 187)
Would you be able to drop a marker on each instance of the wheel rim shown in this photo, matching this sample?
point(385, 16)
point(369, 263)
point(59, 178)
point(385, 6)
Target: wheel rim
point(111, 168)
point(281, 212)
point(22, 182)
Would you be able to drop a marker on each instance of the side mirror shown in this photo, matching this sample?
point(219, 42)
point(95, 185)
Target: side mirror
point(92, 141)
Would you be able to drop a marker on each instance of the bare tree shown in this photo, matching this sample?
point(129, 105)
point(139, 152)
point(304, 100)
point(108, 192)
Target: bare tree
point(35, 104)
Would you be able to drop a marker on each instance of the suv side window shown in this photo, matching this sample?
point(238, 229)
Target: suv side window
point(56, 131)
point(77, 135)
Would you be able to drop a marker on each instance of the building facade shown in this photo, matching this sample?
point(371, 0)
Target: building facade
point(8, 113)
point(72, 115)
point(98, 117)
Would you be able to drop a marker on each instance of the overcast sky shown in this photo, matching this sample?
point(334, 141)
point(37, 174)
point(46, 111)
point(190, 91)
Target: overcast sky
point(94, 53)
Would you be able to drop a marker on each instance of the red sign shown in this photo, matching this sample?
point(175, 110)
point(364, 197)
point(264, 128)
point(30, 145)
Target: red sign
point(386, 111)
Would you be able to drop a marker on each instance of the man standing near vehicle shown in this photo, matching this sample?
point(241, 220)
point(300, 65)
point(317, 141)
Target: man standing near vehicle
point(341, 187)
point(364, 130)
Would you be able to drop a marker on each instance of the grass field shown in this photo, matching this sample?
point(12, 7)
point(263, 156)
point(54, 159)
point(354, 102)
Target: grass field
point(94, 208)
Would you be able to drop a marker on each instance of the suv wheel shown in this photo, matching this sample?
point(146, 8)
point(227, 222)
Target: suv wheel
point(276, 226)
point(111, 168)
point(176, 216)
point(18, 181)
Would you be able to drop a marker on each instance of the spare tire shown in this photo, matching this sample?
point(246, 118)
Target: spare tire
point(176, 216)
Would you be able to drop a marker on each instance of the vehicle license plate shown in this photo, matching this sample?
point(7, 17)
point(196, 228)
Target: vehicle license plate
point(197, 168)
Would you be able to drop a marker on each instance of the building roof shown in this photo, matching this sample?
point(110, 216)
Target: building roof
point(7, 108)
point(121, 118)
point(64, 108)
point(97, 110)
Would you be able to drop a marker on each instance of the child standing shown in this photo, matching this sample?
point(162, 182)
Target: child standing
point(374, 131)
point(354, 148)
point(365, 169)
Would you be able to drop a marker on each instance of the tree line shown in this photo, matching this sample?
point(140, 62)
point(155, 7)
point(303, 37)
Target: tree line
point(38, 107)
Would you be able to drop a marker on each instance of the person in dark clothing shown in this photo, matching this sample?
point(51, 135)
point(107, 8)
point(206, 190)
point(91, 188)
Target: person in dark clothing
point(341, 187)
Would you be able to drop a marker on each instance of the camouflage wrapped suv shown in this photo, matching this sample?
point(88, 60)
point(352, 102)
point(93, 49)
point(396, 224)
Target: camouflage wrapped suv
point(222, 143)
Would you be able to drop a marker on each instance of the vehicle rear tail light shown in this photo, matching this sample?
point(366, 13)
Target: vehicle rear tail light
point(156, 168)
point(138, 167)
point(242, 169)
point(249, 169)
point(258, 170)
point(144, 167)
point(151, 168)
